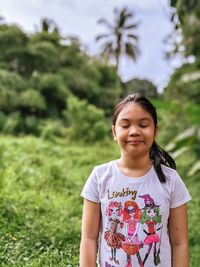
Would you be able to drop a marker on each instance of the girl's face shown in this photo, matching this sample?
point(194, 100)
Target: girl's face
point(115, 211)
point(151, 213)
point(134, 130)
point(131, 211)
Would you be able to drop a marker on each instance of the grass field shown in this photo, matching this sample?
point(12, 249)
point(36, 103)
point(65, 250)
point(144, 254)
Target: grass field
point(40, 203)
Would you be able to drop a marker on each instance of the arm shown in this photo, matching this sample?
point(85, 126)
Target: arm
point(178, 233)
point(90, 232)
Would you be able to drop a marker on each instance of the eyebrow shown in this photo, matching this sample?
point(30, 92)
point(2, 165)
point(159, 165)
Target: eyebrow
point(142, 119)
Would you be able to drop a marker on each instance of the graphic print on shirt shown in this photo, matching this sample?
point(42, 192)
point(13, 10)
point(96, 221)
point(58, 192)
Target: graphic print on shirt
point(112, 236)
point(132, 229)
point(131, 215)
point(151, 217)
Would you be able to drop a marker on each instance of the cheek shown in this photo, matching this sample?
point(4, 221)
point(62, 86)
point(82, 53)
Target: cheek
point(150, 134)
point(120, 133)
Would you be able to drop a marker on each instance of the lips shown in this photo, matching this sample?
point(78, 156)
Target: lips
point(134, 142)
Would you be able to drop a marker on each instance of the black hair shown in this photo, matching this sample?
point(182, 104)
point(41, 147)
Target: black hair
point(157, 154)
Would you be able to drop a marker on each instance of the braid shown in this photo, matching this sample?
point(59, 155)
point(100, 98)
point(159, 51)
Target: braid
point(160, 156)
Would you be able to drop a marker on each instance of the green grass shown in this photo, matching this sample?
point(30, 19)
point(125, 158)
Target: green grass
point(40, 203)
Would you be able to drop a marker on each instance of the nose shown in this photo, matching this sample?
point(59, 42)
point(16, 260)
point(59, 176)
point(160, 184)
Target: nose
point(134, 131)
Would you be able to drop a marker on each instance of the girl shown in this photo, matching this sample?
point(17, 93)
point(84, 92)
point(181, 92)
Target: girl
point(131, 216)
point(143, 173)
point(112, 236)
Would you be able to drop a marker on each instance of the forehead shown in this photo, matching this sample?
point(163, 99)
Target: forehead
point(133, 111)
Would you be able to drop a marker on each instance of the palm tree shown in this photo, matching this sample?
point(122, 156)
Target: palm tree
point(120, 40)
point(49, 25)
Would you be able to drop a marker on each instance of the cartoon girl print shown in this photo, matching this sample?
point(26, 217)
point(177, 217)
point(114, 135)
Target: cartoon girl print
point(131, 215)
point(151, 217)
point(112, 236)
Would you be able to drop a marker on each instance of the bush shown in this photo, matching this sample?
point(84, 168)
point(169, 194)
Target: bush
point(52, 128)
point(86, 121)
point(32, 101)
point(53, 90)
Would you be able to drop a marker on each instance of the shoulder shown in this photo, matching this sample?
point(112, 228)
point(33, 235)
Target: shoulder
point(169, 172)
point(178, 191)
point(96, 182)
point(105, 167)
point(172, 176)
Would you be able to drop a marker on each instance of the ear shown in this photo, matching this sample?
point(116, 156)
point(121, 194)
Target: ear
point(113, 132)
point(156, 132)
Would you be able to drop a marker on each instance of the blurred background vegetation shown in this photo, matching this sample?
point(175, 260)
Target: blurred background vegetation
point(56, 104)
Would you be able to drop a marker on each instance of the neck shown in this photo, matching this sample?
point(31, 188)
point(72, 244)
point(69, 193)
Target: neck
point(135, 163)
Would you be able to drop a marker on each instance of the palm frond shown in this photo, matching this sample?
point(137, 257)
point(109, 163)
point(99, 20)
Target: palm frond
point(195, 168)
point(131, 51)
point(131, 26)
point(102, 36)
point(127, 13)
point(105, 22)
point(107, 48)
point(132, 36)
point(123, 40)
point(124, 15)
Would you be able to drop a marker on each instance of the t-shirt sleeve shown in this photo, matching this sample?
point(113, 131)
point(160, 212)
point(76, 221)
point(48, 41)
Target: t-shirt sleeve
point(180, 194)
point(91, 188)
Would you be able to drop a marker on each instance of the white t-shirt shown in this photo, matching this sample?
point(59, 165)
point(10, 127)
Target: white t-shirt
point(135, 215)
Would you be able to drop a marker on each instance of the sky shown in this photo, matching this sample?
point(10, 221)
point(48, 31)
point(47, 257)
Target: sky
point(79, 18)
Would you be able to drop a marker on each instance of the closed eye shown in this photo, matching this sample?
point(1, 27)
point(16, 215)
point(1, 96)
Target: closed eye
point(124, 126)
point(143, 126)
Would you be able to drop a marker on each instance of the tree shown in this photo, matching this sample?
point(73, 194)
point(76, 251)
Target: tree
point(48, 25)
point(186, 19)
point(184, 83)
point(120, 40)
point(13, 43)
point(87, 122)
point(145, 87)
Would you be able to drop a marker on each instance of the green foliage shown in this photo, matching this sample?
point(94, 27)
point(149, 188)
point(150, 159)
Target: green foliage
point(86, 121)
point(39, 71)
point(184, 84)
point(12, 123)
point(40, 207)
point(72, 55)
point(11, 84)
point(110, 89)
point(50, 129)
point(32, 101)
point(12, 38)
point(97, 83)
point(8, 100)
point(189, 20)
point(54, 92)
point(11, 81)
point(187, 141)
point(171, 120)
point(15, 123)
point(40, 60)
point(81, 85)
point(46, 37)
point(145, 87)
